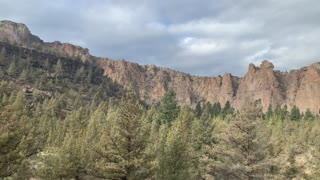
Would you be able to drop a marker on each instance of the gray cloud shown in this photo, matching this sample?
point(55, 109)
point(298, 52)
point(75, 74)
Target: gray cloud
point(207, 37)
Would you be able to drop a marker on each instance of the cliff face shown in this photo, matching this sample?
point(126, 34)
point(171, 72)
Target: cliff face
point(16, 33)
point(19, 34)
point(67, 49)
point(297, 87)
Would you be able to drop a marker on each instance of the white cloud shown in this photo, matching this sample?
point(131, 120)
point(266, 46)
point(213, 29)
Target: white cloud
point(198, 46)
point(200, 37)
point(211, 27)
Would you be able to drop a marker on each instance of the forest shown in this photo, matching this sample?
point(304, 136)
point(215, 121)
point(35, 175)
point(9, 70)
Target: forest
point(62, 119)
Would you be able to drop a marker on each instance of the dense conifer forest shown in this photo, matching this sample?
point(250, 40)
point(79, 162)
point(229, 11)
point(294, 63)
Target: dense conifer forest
point(62, 119)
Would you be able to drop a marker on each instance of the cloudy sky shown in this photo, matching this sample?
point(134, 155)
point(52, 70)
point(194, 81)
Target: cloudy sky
point(200, 37)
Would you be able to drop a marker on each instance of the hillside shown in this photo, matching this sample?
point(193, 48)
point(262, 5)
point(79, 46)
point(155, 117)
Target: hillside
point(275, 88)
point(65, 114)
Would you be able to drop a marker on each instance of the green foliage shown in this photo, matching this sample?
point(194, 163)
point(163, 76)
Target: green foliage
point(216, 109)
point(241, 152)
point(168, 109)
point(56, 165)
point(174, 158)
point(309, 115)
point(13, 70)
point(59, 68)
point(198, 110)
point(295, 113)
point(65, 120)
point(123, 151)
point(269, 113)
point(13, 123)
point(227, 109)
point(3, 54)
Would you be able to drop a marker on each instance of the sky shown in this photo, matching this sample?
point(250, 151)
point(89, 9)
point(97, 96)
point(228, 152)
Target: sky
point(200, 37)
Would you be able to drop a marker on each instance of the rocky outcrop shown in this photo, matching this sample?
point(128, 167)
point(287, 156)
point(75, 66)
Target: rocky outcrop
point(17, 33)
point(69, 50)
point(297, 87)
point(308, 93)
point(262, 83)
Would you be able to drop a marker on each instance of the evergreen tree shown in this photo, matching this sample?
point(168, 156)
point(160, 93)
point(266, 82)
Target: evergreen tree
point(59, 68)
point(284, 112)
point(216, 108)
point(227, 109)
point(47, 64)
point(295, 113)
point(3, 54)
point(242, 151)
point(309, 115)
point(13, 122)
point(123, 149)
point(198, 110)
point(24, 75)
point(80, 74)
point(174, 156)
point(269, 112)
point(89, 76)
point(13, 70)
point(57, 165)
point(168, 109)
point(202, 137)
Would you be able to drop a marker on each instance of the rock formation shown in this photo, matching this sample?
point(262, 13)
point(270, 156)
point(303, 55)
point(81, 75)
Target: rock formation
point(297, 87)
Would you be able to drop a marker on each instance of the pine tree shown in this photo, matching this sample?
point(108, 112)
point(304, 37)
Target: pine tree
point(198, 110)
point(309, 115)
point(202, 137)
point(79, 77)
point(174, 155)
point(89, 76)
point(13, 121)
point(13, 70)
point(123, 148)
point(269, 112)
point(242, 149)
point(59, 68)
point(227, 109)
point(295, 113)
point(168, 109)
point(24, 75)
point(3, 54)
point(47, 64)
point(216, 109)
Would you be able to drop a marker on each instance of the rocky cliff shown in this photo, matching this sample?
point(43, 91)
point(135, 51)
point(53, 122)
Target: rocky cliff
point(297, 87)
point(19, 34)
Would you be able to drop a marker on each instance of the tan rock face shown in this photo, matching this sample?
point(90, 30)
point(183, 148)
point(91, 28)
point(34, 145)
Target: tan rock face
point(298, 87)
point(308, 93)
point(68, 50)
point(17, 33)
